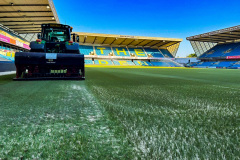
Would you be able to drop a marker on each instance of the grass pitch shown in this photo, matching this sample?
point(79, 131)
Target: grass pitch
point(123, 113)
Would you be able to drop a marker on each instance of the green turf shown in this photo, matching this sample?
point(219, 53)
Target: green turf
point(123, 114)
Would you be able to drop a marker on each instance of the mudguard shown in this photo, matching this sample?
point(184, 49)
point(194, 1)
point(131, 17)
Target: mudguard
point(36, 46)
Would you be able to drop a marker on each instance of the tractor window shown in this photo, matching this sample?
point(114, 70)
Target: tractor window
point(56, 34)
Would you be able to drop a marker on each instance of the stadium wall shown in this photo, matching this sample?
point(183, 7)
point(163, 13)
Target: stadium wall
point(11, 43)
point(6, 66)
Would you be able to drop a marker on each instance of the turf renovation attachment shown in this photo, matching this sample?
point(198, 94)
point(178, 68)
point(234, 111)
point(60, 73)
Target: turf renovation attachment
point(35, 66)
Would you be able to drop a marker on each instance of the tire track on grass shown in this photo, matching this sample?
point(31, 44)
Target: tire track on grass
point(67, 125)
point(97, 125)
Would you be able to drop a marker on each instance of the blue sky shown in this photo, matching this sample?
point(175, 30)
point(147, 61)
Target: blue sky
point(156, 18)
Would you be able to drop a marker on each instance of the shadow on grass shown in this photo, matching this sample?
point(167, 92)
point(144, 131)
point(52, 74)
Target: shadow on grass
point(6, 78)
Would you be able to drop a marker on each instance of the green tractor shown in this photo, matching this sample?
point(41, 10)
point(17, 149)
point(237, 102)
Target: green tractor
point(52, 56)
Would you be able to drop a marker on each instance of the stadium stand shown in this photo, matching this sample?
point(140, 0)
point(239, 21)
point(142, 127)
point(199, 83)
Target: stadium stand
point(138, 52)
point(86, 50)
point(223, 64)
point(218, 64)
point(121, 51)
point(166, 53)
point(9, 44)
point(210, 52)
point(162, 63)
point(233, 51)
point(6, 62)
point(217, 49)
point(11, 38)
point(109, 49)
point(103, 51)
point(221, 49)
point(204, 64)
point(236, 65)
point(154, 53)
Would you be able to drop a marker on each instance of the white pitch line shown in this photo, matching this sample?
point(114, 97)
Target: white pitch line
point(7, 73)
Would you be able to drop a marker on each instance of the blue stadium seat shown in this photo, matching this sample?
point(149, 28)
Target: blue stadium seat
point(224, 64)
point(154, 52)
point(234, 52)
point(103, 62)
point(139, 52)
point(161, 64)
point(122, 62)
point(88, 61)
point(214, 64)
point(121, 51)
point(103, 51)
point(86, 50)
point(221, 49)
point(210, 51)
point(205, 64)
point(218, 64)
point(236, 65)
point(142, 63)
point(166, 53)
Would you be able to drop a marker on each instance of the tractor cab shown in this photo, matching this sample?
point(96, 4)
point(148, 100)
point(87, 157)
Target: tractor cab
point(55, 33)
